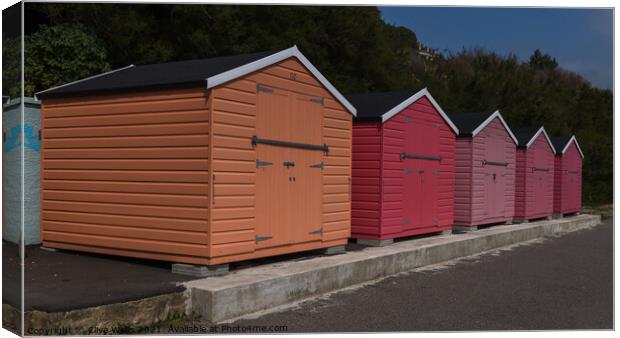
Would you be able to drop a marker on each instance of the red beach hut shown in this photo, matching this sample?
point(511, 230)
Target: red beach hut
point(567, 180)
point(534, 175)
point(485, 170)
point(403, 167)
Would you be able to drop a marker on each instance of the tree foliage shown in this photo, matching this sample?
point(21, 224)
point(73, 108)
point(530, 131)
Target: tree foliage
point(59, 54)
point(352, 46)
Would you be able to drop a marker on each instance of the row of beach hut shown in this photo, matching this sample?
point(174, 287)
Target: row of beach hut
point(218, 160)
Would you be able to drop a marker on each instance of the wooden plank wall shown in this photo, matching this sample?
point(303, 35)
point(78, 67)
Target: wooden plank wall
point(500, 134)
point(366, 197)
point(234, 123)
point(127, 174)
point(393, 138)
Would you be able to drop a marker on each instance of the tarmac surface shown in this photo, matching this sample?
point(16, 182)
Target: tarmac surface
point(557, 283)
point(68, 280)
point(60, 281)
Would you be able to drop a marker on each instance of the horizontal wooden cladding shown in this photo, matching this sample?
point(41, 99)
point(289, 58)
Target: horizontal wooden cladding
point(143, 164)
point(127, 119)
point(181, 128)
point(147, 102)
point(172, 212)
point(128, 142)
point(128, 153)
point(163, 246)
point(133, 232)
point(127, 175)
point(130, 187)
point(141, 199)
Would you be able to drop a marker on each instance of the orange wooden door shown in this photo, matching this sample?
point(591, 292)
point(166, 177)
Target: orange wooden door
point(289, 193)
point(307, 187)
point(272, 178)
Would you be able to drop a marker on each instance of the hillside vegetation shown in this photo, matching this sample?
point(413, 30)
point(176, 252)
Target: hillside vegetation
point(352, 46)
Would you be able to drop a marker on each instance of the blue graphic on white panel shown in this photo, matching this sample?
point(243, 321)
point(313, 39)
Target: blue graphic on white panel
point(14, 139)
point(21, 122)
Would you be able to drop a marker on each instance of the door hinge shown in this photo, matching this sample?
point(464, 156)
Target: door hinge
point(407, 170)
point(262, 238)
point(261, 88)
point(437, 125)
point(318, 165)
point(317, 232)
point(319, 100)
point(405, 222)
point(435, 172)
point(435, 219)
point(408, 119)
point(262, 163)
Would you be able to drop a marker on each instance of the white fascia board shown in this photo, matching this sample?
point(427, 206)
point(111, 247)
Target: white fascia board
point(82, 80)
point(424, 92)
point(267, 61)
point(573, 139)
point(544, 132)
point(489, 119)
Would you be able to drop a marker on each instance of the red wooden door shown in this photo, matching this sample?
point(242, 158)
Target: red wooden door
point(494, 169)
point(421, 156)
point(539, 173)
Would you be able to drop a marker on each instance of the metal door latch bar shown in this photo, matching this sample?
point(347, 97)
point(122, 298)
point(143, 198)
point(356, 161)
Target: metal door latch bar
point(261, 88)
point(540, 169)
point(317, 232)
point(318, 165)
point(404, 156)
point(262, 238)
point(256, 140)
point(500, 164)
point(262, 163)
point(319, 100)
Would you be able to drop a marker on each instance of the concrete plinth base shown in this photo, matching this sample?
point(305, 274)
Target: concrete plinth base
point(464, 228)
point(519, 221)
point(334, 250)
point(445, 233)
point(199, 270)
point(557, 216)
point(48, 249)
point(508, 222)
point(374, 242)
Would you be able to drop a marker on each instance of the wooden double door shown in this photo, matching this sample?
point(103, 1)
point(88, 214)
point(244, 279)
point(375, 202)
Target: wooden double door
point(422, 161)
point(289, 168)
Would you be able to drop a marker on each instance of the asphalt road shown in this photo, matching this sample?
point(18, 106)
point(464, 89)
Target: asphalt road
point(560, 283)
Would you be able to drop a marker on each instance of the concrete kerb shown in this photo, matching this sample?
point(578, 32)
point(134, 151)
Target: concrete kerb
point(251, 290)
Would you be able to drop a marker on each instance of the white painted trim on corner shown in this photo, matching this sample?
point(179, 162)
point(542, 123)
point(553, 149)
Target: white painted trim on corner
point(240, 71)
point(573, 139)
point(489, 119)
point(422, 93)
point(541, 130)
point(82, 80)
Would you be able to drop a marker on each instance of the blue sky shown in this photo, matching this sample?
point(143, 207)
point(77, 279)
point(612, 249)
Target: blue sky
point(581, 40)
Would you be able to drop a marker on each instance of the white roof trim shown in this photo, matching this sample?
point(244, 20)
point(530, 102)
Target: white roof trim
point(248, 68)
point(82, 80)
point(489, 119)
point(424, 92)
point(541, 130)
point(573, 139)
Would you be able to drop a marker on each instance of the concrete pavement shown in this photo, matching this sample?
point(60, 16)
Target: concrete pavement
point(553, 283)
